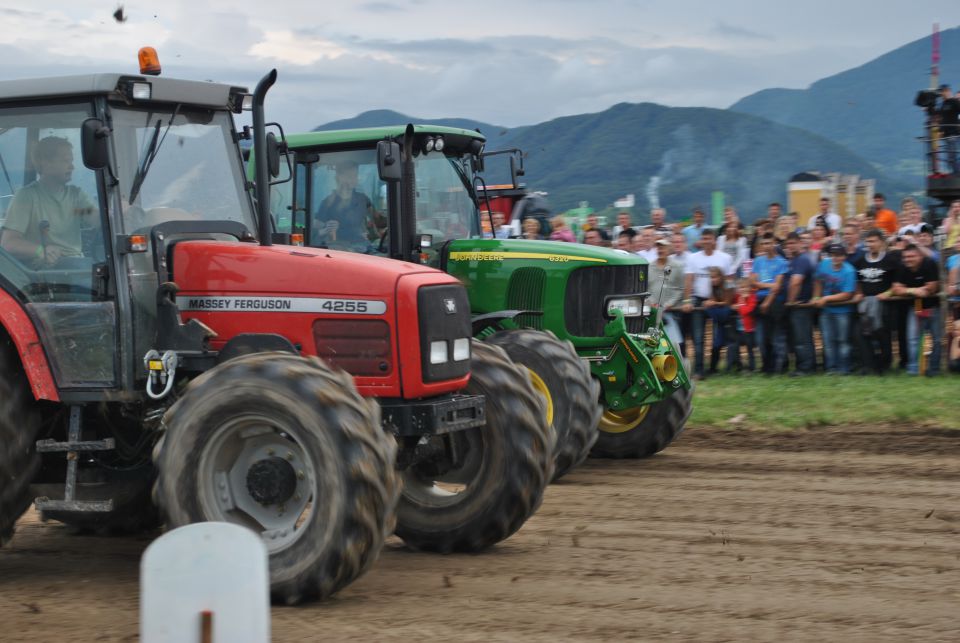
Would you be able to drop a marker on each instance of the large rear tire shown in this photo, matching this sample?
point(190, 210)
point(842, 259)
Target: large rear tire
point(565, 380)
point(286, 446)
point(506, 467)
point(20, 422)
point(644, 431)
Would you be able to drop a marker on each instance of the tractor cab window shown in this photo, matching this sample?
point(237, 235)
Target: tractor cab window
point(445, 206)
point(52, 254)
point(342, 203)
point(178, 164)
point(347, 204)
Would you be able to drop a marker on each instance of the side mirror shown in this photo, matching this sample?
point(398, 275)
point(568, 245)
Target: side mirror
point(273, 155)
point(388, 161)
point(93, 144)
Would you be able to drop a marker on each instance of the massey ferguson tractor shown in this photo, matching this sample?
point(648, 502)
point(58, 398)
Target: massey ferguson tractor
point(575, 316)
point(165, 357)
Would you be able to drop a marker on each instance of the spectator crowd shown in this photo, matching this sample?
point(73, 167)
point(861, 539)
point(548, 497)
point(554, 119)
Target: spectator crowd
point(857, 296)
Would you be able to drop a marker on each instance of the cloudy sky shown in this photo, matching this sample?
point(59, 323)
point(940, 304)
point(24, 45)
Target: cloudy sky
point(508, 62)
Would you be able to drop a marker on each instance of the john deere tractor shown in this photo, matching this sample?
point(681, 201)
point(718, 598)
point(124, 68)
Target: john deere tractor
point(166, 356)
point(543, 302)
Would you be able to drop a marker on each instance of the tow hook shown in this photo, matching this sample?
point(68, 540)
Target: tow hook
point(161, 371)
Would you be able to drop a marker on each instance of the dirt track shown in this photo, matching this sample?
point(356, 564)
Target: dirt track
point(845, 534)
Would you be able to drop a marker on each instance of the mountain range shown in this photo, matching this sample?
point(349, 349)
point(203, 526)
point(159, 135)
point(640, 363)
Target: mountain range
point(870, 108)
point(861, 121)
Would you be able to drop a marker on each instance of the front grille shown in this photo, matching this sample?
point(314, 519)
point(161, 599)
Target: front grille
point(444, 313)
point(525, 292)
point(358, 346)
point(588, 287)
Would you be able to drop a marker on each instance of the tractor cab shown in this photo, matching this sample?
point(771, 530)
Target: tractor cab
point(340, 198)
point(86, 178)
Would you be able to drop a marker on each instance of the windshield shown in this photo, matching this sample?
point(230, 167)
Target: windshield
point(348, 204)
point(178, 164)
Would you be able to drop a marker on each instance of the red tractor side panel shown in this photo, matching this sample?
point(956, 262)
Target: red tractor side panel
point(18, 325)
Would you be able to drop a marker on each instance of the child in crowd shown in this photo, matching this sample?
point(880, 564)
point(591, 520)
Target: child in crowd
point(744, 305)
point(718, 310)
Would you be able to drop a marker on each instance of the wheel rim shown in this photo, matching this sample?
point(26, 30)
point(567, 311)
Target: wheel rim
point(541, 387)
point(622, 421)
point(242, 452)
point(451, 488)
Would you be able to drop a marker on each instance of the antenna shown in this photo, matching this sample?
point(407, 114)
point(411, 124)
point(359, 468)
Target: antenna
point(935, 58)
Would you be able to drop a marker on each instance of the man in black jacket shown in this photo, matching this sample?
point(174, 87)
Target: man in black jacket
point(948, 114)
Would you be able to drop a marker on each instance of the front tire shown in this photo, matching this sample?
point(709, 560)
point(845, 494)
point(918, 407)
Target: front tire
point(644, 431)
point(505, 470)
point(20, 422)
point(286, 446)
point(565, 380)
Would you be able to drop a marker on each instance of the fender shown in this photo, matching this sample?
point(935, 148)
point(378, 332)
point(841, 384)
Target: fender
point(17, 323)
point(496, 320)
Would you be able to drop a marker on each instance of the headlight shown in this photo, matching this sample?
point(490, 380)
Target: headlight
point(629, 306)
point(461, 349)
point(141, 91)
point(438, 352)
point(438, 144)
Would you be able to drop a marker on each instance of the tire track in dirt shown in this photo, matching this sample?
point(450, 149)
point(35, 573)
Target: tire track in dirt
point(819, 534)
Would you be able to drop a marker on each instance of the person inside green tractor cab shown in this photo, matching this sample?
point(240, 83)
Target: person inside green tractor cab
point(45, 217)
point(346, 216)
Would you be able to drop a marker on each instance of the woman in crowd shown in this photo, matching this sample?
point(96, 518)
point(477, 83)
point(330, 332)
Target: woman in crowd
point(733, 243)
point(718, 310)
point(561, 232)
point(531, 229)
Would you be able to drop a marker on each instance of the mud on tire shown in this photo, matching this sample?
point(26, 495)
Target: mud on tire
point(572, 389)
point(664, 421)
point(20, 422)
point(295, 422)
point(507, 467)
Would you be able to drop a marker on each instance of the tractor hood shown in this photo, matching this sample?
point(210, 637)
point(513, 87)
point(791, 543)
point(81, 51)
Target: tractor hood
point(218, 266)
point(478, 250)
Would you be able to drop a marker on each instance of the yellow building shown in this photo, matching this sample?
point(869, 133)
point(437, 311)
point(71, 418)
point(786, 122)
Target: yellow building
point(849, 194)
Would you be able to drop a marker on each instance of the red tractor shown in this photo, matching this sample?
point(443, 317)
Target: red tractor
point(158, 333)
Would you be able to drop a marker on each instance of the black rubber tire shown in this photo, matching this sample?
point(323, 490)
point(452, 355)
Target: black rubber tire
point(662, 425)
point(355, 486)
point(573, 390)
point(514, 465)
point(20, 421)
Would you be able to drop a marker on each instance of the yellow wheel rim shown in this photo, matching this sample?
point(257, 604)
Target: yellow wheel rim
point(622, 421)
point(541, 388)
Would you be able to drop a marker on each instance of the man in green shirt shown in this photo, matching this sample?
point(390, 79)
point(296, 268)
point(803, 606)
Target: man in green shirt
point(45, 217)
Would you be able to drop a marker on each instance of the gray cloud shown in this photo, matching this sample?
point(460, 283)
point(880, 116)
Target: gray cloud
point(727, 30)
point(381, 7)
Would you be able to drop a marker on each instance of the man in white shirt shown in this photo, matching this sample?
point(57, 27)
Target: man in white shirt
point(832, 219)
point(643, 244)
point(697, 289)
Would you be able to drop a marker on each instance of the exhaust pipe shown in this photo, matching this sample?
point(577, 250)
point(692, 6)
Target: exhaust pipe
point(261, 175)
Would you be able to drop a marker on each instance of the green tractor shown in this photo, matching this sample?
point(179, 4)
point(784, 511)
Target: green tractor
point(575, 316)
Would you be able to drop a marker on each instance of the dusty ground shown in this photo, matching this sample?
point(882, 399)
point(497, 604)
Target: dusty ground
point(845, 534)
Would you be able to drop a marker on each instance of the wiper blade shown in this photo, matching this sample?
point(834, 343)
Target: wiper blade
point(145, 164)
point(156, 141)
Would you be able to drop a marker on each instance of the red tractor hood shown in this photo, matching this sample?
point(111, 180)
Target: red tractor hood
point(225, 267)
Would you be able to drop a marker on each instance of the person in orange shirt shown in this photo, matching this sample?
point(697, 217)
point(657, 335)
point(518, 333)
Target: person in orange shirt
point(886, 219)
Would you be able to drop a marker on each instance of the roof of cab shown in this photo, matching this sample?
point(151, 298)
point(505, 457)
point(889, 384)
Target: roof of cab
point(164, 90)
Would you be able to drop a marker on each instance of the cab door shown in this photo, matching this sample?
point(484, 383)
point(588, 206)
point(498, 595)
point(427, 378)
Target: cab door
point(53, 257)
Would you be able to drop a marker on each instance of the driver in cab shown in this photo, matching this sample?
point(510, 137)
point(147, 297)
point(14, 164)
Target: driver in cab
point(346, 216)
point(44, 218)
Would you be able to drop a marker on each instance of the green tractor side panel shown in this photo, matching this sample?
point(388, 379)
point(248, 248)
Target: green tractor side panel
point(563, 288)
